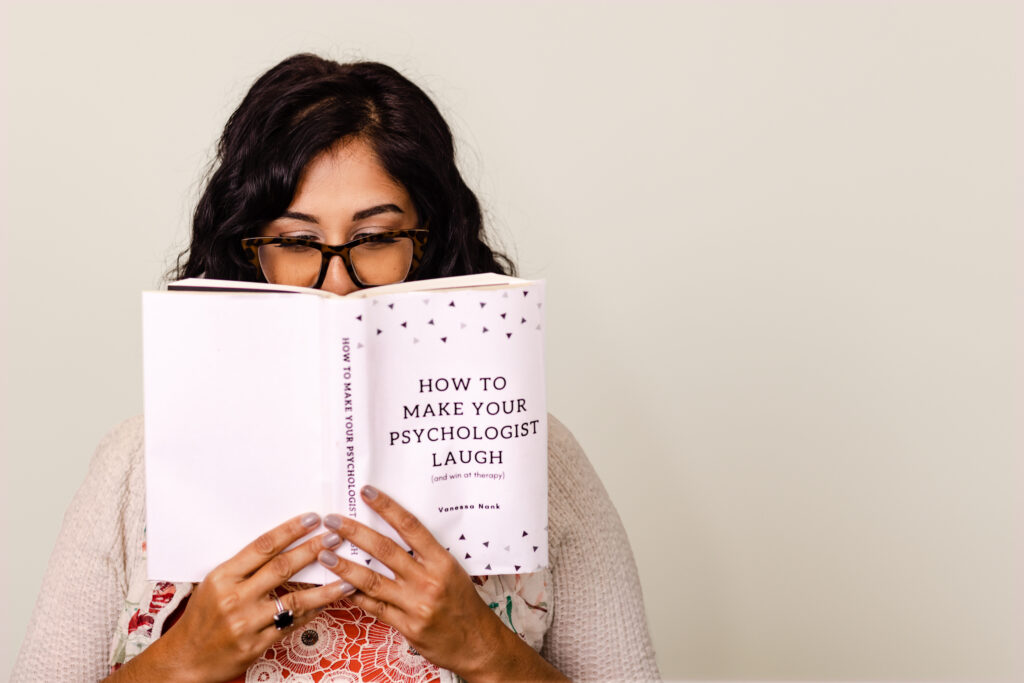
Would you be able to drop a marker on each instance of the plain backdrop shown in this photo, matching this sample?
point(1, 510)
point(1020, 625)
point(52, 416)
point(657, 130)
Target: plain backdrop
point(783, 246)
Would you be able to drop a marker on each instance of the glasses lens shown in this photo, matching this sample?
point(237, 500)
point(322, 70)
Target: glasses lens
point(290, 264)
point(383, 262)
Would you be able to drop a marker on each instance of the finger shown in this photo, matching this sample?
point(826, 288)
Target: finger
point(305, 605)
point(283, 567)
point(405, 523)
point(383, 611)
point(256, 554)
point(389, 553)
point(363, 578)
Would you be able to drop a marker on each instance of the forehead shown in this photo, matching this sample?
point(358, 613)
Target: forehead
point(347, 175)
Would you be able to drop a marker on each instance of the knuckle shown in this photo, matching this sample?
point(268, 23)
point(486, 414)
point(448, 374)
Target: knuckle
point(425, 611)
point(373, 584)
point(407, 522)
point(236, 627)
point(383, 549)
point(227, 603)
point(343, 569)
point(415, 632)
point(380, 609)
point(434, 588)
point(279, 567)
point(291, 601)
point(448, 563)
point(264, 544)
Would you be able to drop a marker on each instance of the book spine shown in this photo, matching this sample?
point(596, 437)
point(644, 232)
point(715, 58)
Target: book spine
point(331, 399)
point(350, 457)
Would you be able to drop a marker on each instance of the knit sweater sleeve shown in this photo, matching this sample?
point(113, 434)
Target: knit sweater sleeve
point(69, 635)
point(599, 627)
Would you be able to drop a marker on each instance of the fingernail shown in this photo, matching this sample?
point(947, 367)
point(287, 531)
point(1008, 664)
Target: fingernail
point(332, 521)
point(328, 558)
point(331, 540)
point(346, 588)
point(310, 519)
point(369, 493)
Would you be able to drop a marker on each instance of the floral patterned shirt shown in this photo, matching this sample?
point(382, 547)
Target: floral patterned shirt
point(342, 643)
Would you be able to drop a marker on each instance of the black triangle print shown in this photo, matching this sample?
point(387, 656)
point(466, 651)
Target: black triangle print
point(482, 304)
point(522, 321)
point(411, 553)
point(525, 292)
point(486, 543)
point(404, 324)
point(444, 339)
point(508, 335)
point(368, 563)
point(462, 537)
point(378, 331)
point(452, 304)
point(503, 315)
point(391, 306)
point(488, 567)
point(517, 567)
point(485, 329)
point(468, 556)
point(359, 317)
point(535, 548)
point(508, 548)
point(430, 322)
point(524, 533)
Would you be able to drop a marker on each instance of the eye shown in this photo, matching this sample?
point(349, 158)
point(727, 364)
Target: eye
point(370, 230)
point(311, 236)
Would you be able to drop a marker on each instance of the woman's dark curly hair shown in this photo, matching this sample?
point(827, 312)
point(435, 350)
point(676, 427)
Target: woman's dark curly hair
point(302, 107)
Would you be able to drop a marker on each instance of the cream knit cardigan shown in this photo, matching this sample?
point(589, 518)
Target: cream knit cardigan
point(598, 629)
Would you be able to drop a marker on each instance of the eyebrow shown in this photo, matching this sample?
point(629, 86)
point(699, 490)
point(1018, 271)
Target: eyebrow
point(374, 210)
point(305, 217)
point(357, 216)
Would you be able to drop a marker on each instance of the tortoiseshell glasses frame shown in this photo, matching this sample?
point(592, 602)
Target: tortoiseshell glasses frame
point(418, 236)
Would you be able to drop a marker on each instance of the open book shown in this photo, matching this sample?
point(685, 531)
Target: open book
point(261, 406)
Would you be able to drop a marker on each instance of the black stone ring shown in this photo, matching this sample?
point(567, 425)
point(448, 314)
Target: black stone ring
point(284, 617)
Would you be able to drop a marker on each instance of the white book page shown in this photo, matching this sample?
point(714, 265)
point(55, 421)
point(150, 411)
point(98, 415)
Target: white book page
point(233, 447)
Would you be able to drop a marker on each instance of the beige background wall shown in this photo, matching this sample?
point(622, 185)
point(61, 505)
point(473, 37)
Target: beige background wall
point(783, 244)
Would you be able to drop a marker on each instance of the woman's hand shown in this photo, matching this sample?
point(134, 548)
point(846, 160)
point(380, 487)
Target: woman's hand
point(431, 600)
point(229, 619)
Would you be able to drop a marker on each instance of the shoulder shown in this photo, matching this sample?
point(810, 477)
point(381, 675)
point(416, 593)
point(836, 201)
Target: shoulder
point(120, 451)
point(127, 437)
point(563, 449)
point(571, 477)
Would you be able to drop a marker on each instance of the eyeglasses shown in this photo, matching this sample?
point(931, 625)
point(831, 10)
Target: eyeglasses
point(378, 259)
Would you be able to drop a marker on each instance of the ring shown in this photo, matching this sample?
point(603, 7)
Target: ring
point(284, 617)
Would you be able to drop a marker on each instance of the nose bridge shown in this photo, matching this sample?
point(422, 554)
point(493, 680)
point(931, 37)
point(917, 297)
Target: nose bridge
point(336, 278)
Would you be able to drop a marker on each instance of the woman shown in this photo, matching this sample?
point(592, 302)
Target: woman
point(336, 154)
